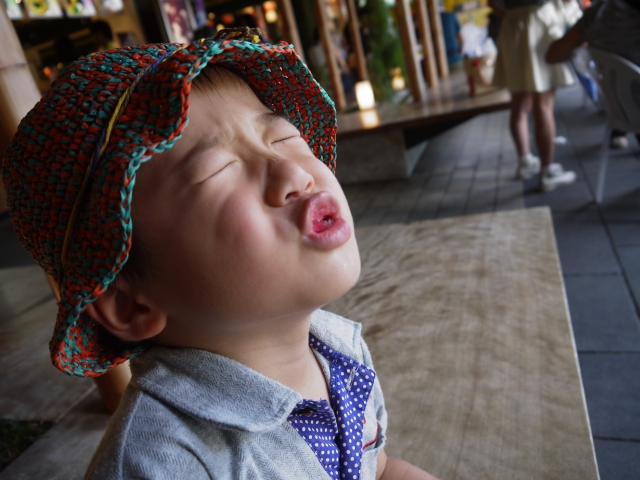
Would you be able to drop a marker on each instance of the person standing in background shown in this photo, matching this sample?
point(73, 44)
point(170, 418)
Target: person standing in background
point(528, 28)
point(452, 38)
point(612, 26)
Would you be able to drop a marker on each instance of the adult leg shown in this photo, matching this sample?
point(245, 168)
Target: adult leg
point(552, 175)
point(544, 125)
point(521, 103)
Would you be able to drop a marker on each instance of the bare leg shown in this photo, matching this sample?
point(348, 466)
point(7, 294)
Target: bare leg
point(545, 132)
point(544, 125)
point(521, 103)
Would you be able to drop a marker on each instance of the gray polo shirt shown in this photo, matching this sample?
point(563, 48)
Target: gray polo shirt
point(192, 414)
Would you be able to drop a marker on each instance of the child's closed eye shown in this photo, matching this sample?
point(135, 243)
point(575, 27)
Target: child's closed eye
point(288, 138)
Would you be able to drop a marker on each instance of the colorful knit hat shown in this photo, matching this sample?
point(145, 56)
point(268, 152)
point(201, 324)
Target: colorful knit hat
point(70, 169)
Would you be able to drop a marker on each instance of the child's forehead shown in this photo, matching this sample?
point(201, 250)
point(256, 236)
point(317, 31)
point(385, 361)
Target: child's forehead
point(228, 102)
point(213, 78)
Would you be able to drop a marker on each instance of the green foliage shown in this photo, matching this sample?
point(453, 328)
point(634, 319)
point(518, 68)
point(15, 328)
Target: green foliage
point(385, 47)
point(15, 437)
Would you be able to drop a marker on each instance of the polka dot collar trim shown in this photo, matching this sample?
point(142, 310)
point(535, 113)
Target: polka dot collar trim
point(334, 432)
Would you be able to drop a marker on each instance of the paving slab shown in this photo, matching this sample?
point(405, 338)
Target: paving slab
point(625, 233)
point(630, 258)
point(612, 387)
point(583, 242)
point(64, 452)
point(634, 282)
point(32, 388)
point(618, 460)
point(574, 197)
point(603, 314)
point(22, 288)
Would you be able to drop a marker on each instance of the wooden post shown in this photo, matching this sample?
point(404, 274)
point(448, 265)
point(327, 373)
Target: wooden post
point(430, 69)
point(260, 21)
point(438, 38)
point(408, 35)
point(330, 51)
point(356, 41)
point(285, 9)
point(18, 90)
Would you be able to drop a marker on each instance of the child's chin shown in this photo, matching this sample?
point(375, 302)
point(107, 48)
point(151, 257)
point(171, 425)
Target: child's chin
point(344, 280)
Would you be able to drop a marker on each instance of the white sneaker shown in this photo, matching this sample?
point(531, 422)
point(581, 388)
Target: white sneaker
point(528, 167)
point(555, 176)
point(556, 169)
point(619, 143)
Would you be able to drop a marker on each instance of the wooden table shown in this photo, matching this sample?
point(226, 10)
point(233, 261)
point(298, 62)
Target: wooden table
point(469, 330)
point(447, 103)
point(385, 143)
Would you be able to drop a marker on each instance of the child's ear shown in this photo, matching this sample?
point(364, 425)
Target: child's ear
point(127, 315)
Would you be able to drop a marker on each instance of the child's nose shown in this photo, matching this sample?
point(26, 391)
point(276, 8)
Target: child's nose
point(286, 181)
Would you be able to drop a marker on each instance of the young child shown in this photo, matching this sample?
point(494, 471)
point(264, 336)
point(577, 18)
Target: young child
point(241, 234)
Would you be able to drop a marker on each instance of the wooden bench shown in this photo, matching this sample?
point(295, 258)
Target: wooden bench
point(386, 143)
point(467, 322)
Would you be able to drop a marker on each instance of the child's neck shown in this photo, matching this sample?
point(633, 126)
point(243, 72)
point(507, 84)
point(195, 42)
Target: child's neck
point(283, 354)
point(278, 349)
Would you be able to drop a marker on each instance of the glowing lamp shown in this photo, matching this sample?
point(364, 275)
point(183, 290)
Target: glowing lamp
point(397, 82)
point(364, 95)
point(271, 16)
point(370, 119)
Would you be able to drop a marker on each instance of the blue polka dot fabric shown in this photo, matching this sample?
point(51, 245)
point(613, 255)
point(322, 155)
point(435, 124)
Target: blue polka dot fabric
point(334, 432)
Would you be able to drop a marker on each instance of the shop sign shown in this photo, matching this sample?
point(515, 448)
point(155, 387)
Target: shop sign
point(79, 8)
point(43, 8)
point(13, 10)
point(111, 6)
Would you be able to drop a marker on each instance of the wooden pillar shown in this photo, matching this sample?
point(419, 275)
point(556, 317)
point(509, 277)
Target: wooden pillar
point(18, 90)
point(356, 41)
point(260, 21)
point(408, 35)
point(438, 38)
point(285, 9)
point(430, 69)
point(330, 51)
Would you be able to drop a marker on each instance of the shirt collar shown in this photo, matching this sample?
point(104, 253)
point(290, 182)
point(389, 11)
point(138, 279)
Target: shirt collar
point(219, 390)
point(213, 388)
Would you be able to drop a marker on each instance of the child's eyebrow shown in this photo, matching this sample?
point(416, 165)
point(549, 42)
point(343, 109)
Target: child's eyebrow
point(268, 118)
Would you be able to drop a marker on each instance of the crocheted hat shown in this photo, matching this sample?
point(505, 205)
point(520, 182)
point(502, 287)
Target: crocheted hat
point(70, 169)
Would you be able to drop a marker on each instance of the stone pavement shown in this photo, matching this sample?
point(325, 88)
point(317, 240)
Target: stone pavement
point(466, 170)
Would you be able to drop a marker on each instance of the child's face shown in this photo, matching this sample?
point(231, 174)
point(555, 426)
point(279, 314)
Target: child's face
point(242, 222)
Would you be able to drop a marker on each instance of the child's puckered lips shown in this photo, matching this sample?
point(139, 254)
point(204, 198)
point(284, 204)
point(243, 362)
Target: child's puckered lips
point(322, 224)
